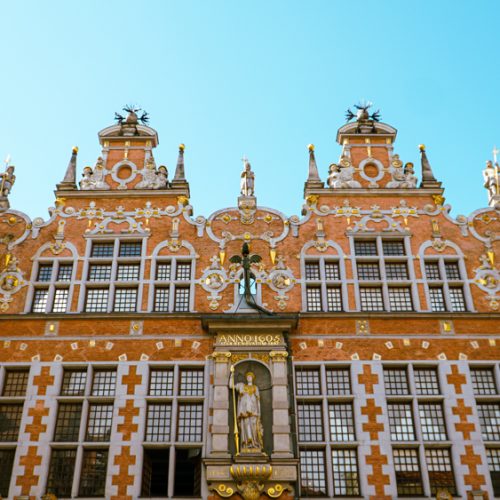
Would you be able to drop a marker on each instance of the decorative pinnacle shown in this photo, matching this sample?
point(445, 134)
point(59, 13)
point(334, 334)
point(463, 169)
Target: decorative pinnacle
point(182, 147)
point(75, 150)
point(421, 147)
point(310, 147)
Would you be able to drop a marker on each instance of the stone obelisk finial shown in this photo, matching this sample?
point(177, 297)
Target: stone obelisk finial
point(69, 181)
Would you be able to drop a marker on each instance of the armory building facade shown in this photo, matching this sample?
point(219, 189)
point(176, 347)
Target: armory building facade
point(349, 352)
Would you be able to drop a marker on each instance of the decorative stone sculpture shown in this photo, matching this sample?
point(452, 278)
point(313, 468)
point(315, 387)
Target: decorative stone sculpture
point(247, 179)
point(404, 179)
point(8, 179)
point(152, 178)
point(250, 430)
point(342, 176)
point(491, 182)
point(94, 179)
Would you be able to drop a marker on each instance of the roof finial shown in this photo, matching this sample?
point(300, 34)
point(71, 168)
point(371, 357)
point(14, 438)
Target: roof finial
point(69, 181)
point(179, 170)
point(428, 179)
point(313, 168)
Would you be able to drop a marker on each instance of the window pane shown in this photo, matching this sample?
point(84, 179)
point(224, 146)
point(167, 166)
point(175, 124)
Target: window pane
point(393, 247)
point(104, 383)
point(99, 424)
point(128, 272)
point(401, 422)
point(183, 272)
point(44, 272)
point(407, 468)
point(400, 299)
point(483, 381)
point(61, 471)
point(432, 422)
point(97, 300)
point(15, 383)
point(338, 381)
point(489, 419)
point(161, 383)
point(163, 271)
point(192, 383)
point(158, 422)
point(312, 473)
point(371, 299)
point(102, 250)
point(396, 381)
point(332, 271)
point(74, 382)
point(68, 422)
point(40, 300)
point(457, 299)
point(307, 382)
point(362, 247)
point(426, 381)
point(440, 470)
point(181, 302)
point(345, 473)
point(190, 423)
point(310, 422)
point(187, 472)
point(130, 249)
point(65, 272)
point(100, 272)
point(432, 271)
point(437, 299)
point(10, 420)
point(396, 271)
point(493, 455)
point(125, 300)
point(341, 422)
point(452, 270)
point(93, 477)
point(155, 472)
point(312, 271)
point(313, 296)
point(368, 271)
point(6, 463)
point(161, 299)
point(61, 296)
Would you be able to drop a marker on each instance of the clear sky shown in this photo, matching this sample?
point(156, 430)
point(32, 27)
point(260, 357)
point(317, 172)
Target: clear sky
point(260, 78)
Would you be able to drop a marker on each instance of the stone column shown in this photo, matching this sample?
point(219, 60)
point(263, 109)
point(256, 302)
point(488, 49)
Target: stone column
point(220, 406)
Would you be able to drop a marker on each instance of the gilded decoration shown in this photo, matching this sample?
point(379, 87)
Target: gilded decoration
point(249, 339)
point(278, 356)
point(250, 479)
point(221, 357)
point(11, 281)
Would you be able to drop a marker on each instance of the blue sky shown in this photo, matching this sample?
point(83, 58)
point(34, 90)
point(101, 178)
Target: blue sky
point(260, 78)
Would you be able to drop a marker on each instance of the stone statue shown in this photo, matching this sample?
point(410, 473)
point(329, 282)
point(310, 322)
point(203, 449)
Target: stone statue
point(7, 181)
point(251, 433)
point(490, 174)
point(94, 179)
point(341, 177)
point(410, 177)
point(247, 180)
point(152, 178)
point(405, 179)
point(162, 177)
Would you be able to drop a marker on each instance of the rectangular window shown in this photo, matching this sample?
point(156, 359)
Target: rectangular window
point(400, 299)
point(312, 473)
point(158, 422)
point(371, 299)
point(45, 272)
point(310, 422)
point(68, 422)
point(97, 300)
point(10, 421)
point(493, 455)
point(155, 472)
point(40, 300)
point(74, 382)
point(396, 271)
point(99, 272)
point(364, 247)
point(341, 422)
point(130, 249)
point(99, 423)
point(401, 422)
point(163, 271)
point(396, 382)
point(183, 272)
point(437, 299)
point(407, 468)
point(128, 272)
point(61, 296)
point(432, 271)
point(187, 473)
point(104, 383)
point(393, 247)
point(457, 299)
point(332, 271)
point(61, 471)
point(161, 383)
point(6, 464)
point(65, 272)
point(489, 419)
point(452, 271)
point(93, 476)
point(181, 300)
point(426, 381)
point(190, 422)
point(161, 299)
point(125, 300)
point(345, 473)
point(15, 383)
point(308, 382)
point(333, 298)
point(192, 383)
point(102, 249)
point(312, 271)
point(313, 297)
point(440, 470)
point(368, 271)
point(483, 381)
point(432, 422)
point(338, 382)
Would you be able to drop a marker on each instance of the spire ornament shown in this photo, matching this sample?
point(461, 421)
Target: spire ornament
point(428, 179)
point(69, 181)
